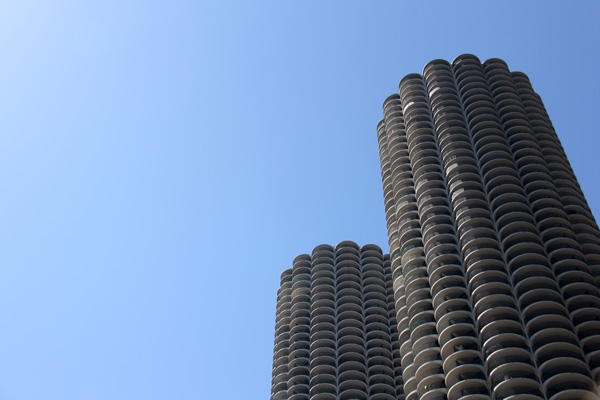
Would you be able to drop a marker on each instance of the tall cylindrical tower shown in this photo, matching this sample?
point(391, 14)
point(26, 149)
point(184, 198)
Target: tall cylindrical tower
point(335, 329)
point(495, 255)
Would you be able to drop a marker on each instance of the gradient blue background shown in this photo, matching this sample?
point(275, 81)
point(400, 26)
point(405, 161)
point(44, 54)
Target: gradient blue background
point(161, 163)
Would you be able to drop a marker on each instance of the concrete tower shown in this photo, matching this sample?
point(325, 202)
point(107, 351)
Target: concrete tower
point(495, 255)
point(335, 332)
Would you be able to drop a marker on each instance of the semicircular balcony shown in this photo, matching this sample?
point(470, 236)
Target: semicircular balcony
point(432, 385)
point(420, 319)
point(531, 271)
point(451, 306)
point(500, 327)
point(447, 282)
point(377, 329)
point(452, 292)
point(552, 335)
point(350, 331)
point(382, 391)
point(507, 355)
point(459, 343)
point(456, 331)
point(319, 346)
point(583, 301)
point(381, 374)
point(350, 325)
point(419, 307)
point(575, 277)
point(378, 317)
point(511, 371)
point(518, 388)
point(464, 372)
point(349, 295)
point(462, 357)
point(556, 350)
point(546, 294)
point(568, 382)
point(454, 318)
point(439, 271)
point(542, 308)
point(422, 343)
point(583, 315)
point(521, 217)
point(589, 336)
point(485, 264)
point(526, 259)
point(322, 357)
point(471, 389)
point(324, 324)
point(558, 365)
point(426, 356)
point(372, 269)
point(322, 299)
point(493, 301)
point(567, 264)
point(547, 321)
point(486, 277)
point(539, 278)
point(485, 289)
point(299, 337)
point(381, 359)
point(323, 391)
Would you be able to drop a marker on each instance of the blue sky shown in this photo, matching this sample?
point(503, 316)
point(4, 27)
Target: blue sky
point(161, 163)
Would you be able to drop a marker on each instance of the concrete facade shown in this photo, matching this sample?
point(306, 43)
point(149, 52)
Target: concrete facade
point(491, 290)
point(495, 253)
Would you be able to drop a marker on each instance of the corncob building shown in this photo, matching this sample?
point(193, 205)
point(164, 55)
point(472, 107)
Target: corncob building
point(494, 263)
point(335, 332)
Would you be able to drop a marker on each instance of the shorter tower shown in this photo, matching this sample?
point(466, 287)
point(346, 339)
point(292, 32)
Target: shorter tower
point(335, 330)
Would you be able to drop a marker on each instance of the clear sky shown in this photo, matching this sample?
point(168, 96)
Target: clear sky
point(161, 163)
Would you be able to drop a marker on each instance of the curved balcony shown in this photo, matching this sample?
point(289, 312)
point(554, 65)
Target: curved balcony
point(547, 321)
point(556, 350)
point(456, 331)
point(355, 340)
point(462, 373)
point(503, 341)
point(469, 389)
point(552, 335)
point(558, 366)
point(507, 356)
point(459, 343)
point(423, 343)
point(432, 385)
point(518, 388)
point(323, 391)
point(462, 357)
point(533, 296)
point(567, 383)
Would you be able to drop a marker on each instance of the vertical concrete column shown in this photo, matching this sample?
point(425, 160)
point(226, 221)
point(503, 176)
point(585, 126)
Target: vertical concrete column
point(351, 358)
point(298, 363)
point(431, 204)
point(282, 338)
point(567, 229)
point(477, 240)
point(399, 189)
point(537, 296)
point(380, 366)
point(509, 362)
point(394, 336)
point(323, 368)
